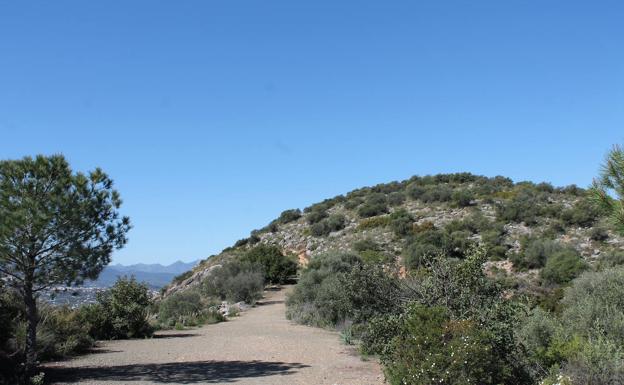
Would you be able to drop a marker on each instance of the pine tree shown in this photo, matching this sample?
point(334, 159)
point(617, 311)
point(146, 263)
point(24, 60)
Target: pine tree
point(608, 188)
point(56, 227)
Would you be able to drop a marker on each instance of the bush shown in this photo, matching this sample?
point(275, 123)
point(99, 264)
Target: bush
point(370, 252)
point(371, 292)
point(456, 306)
point(366, 244)
point(235, 281)
point(375, 204)
point(584, 213)
point(594, 305)
point(120, 312)
point(396, 198)
point(417, 255)
point(183, 276)
point(599, 233)
point(353, 203)
point(612, 258)
point(278, 268)
point(462, 198)
point(535, 252)
point(316, 216)
point(562, 267)
point(61, 333)
point(426, 244)
point(334, 222)
point(522, 207)
point(289, 216)
point(179, 307)
point(375, 257)
point(415, 191)
point(586, 339)
point(401, 222)
point(371, 223)
point(338, 289)
point(188, 308)
point(437, 193)
point(319, 298)
point(599, 362)
point(432, 348)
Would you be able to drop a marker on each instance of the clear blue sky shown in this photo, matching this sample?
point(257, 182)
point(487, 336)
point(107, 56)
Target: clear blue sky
point(214, 116)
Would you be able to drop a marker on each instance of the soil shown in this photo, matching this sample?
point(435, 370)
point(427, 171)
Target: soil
point(258, 347)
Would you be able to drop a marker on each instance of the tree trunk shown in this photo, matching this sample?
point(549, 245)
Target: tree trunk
point(31, 335)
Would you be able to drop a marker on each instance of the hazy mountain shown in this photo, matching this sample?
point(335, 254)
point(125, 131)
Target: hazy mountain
point(155, 275)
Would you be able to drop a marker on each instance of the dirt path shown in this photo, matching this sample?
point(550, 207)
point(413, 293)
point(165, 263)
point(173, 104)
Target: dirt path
point(259, 347)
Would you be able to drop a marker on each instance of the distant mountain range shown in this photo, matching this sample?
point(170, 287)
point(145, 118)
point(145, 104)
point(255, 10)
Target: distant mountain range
point(154, 275)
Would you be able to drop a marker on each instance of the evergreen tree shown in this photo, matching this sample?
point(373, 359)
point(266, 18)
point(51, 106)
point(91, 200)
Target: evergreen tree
point(56, 227)
point(608, 188)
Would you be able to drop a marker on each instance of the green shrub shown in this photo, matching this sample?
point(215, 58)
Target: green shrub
point(396, 198)
point(365, 245)
point(535, 252)
point(462, 198)
point(241, 242)
point(433, 348)
point(584, 213)
point(61, 332)
point(185, 309)
point(371, 292)
point(278, 268)
point(235, 281)
point(338, 289)
point(319, 298)
point(599, 233)
point(437, 193)
point(379, 333)
point(374, 205)
point(334, 222)
point(121, 311)
point(316, 216)
point(599, 362)
point(562, 267)
point(180, 308)
point(415, 191)
point(417, 255)
point(522, 207)
point(594, 305)
point(459, 294)
point(289, 216)
point(375, 257)
point(353, 203)
point(183, 276)
point(371, 223)
point(401, 222)
point(370, 251)
point(426, 244)
point(612, 258)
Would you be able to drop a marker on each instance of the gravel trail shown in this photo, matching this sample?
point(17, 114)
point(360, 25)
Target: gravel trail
point(259, 347)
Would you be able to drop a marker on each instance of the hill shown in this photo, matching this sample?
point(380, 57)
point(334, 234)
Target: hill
point(154, 275)
point(401, 223)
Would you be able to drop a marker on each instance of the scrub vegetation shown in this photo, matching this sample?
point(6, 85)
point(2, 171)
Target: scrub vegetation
point(450, 279)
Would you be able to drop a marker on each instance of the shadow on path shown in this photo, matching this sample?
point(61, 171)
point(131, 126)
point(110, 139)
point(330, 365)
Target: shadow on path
point(175, 335)
point(176, 372)
point(270, 302)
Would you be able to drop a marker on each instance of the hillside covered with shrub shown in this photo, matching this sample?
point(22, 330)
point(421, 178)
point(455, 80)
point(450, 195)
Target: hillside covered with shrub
point(452, 279)
point(537, 236)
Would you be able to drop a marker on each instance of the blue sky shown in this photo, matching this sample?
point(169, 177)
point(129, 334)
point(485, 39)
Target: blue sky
point(213, 117)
